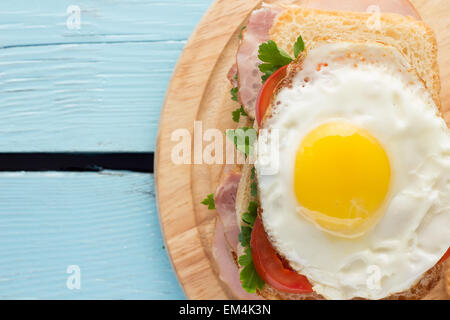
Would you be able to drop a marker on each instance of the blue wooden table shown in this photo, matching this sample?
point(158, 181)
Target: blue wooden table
point(85, 76)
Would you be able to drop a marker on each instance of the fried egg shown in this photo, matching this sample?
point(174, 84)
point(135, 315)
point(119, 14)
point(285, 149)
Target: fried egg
point(360, 201)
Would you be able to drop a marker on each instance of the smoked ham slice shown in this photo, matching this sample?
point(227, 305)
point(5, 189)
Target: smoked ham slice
point(225, 201)
point(247, 61)
point(228, 270)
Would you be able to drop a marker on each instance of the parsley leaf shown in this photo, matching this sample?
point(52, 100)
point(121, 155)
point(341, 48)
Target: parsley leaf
point(245, 236)
point(252, 212)
point(254, 189)
point(209, 201)
point(299, 46)
point(267, 69)
point(271, 54)
point(253, 207)
point(254, 185)
point(234, 94)
point(250, 279)
point(274, 58)
point(249, 218)
point(238, 113)
point(241, 32)
point(244, 139)
point(246, 259)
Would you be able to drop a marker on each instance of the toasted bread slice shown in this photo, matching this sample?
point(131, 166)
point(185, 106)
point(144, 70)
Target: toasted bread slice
point(414, 39)
point(434, 285)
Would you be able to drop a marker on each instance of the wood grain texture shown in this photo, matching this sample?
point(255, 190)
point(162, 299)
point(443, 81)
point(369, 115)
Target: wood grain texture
point(181, 215)
point(203, 90)
point(83, 97)
point(437, 15)
point(105, 223)
point(97, 88)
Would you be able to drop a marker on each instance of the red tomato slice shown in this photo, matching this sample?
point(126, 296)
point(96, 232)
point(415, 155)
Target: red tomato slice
point(266, 92)
point(270, 267)
point(446, 255)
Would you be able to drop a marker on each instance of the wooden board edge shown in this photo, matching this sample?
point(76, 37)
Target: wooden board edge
point(190, 268)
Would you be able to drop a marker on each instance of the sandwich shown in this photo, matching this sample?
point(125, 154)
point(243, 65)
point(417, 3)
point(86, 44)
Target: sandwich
point(353, 200)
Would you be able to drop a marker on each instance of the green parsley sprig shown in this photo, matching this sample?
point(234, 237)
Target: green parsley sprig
point(274, 58)
point(299, 46)
point(250, 279)
point(250, 216)
point(209, 201)
point(244, 139)
point(234, 94)
point(238, 113)
point(242, 32)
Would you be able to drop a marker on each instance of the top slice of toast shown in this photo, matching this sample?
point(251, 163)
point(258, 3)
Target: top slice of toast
point(414, 39)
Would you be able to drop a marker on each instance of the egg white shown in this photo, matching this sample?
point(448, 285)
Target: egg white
point(371, 86)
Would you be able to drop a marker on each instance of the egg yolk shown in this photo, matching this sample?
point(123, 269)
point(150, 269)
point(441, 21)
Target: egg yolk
point(342, 177)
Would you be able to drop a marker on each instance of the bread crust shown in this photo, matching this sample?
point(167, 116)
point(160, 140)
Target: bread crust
point(297, 66)
point(413, 38)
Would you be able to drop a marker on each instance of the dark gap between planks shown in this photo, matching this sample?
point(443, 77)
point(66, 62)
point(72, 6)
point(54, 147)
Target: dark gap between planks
point(77, 162)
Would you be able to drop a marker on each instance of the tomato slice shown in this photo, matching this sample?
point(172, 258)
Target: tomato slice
point(270, 267)
point(446, 255)
point(266, 92)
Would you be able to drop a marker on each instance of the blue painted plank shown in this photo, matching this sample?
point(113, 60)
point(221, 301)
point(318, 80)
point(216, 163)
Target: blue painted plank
point(106, 224)
point(84, 97)
point(25, 22)
point(97, 88)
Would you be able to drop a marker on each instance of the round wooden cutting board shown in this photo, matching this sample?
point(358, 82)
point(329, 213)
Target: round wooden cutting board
point(199, 91)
